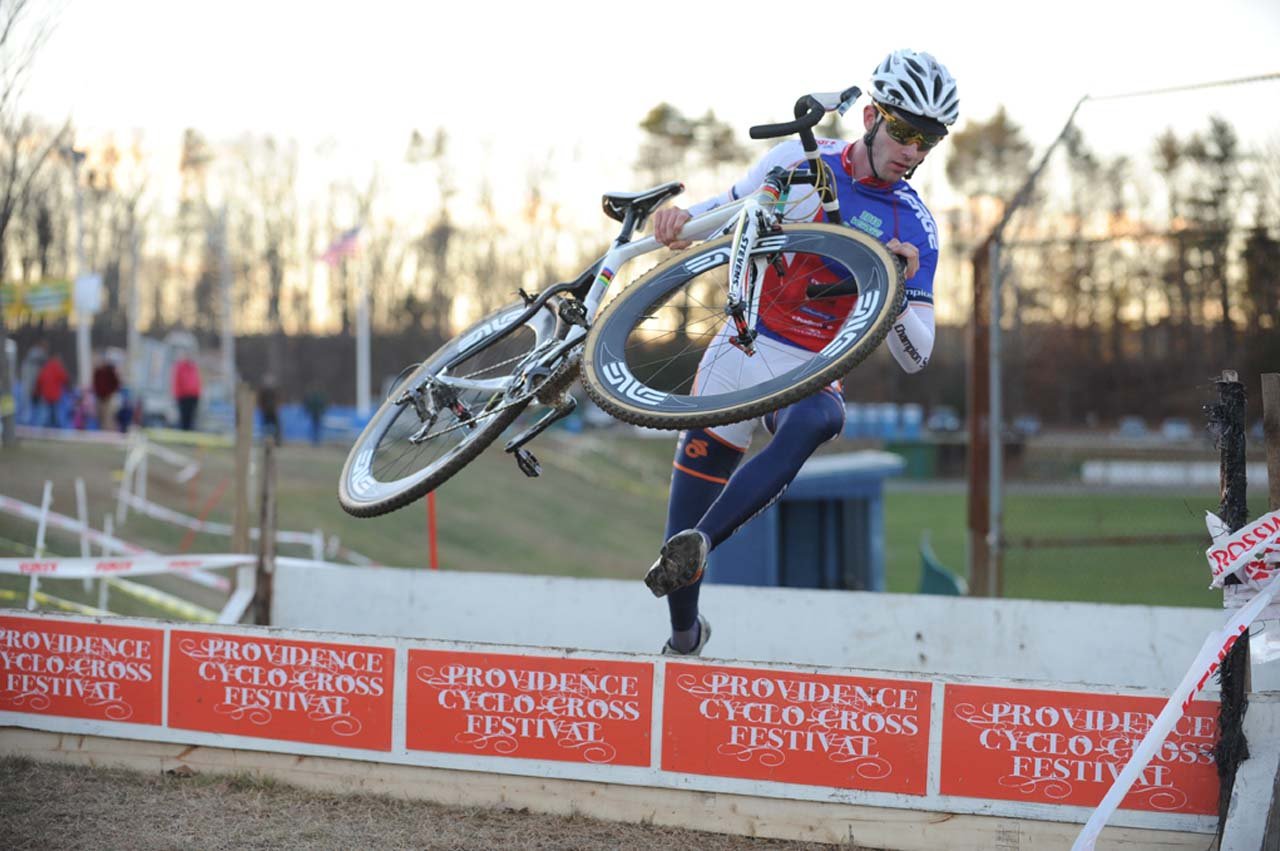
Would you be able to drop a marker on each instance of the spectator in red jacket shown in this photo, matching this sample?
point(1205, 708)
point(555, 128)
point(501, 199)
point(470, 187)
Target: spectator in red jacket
point(51, 384)
point(186, 390)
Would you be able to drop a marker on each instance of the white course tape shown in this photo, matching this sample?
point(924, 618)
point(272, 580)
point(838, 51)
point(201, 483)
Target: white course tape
point(68, 435)
point(209, 527)
point(9, 505)
point(1253, 575)
point(1229, 554)
point(1210, 657)
point(74, 568)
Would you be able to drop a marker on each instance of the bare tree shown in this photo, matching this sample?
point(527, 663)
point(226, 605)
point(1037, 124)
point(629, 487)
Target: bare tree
point(25, 146)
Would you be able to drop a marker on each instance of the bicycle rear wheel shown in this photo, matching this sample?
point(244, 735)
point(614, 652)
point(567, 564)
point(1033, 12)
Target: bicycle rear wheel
point(402, 455)
point(659, 354)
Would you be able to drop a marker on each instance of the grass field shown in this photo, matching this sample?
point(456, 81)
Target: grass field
point(598, 510)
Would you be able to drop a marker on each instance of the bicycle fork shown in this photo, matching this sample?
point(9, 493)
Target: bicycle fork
point(758, 219)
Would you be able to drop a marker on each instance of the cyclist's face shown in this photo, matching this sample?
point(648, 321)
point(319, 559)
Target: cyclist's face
point(892, 159)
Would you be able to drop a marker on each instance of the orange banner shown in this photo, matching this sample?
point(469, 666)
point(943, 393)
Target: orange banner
point(816, 729)
point(532, 707)
point(81, 670)
point(300, 691)
point(1060, 747)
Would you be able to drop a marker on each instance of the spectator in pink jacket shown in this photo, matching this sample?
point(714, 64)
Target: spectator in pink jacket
point(186, 390)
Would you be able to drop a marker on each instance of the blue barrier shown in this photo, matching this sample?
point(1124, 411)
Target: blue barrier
point(827, 531)
point(882, 421)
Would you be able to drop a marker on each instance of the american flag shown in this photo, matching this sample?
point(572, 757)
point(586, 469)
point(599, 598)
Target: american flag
point(344, 245)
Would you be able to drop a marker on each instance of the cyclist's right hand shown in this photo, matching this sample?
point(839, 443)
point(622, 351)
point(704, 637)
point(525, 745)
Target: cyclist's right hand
point(667, 224)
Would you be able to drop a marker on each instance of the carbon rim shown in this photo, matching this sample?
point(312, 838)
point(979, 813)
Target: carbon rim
point(635, 376)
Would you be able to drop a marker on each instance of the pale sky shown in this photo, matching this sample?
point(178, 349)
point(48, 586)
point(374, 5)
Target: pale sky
point(512, 81)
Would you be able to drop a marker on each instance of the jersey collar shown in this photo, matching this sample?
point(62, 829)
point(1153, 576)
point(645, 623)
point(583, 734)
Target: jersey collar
point(846, 160)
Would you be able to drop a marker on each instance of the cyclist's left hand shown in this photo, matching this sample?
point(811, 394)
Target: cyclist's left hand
point(908, 252)
point(667, 223)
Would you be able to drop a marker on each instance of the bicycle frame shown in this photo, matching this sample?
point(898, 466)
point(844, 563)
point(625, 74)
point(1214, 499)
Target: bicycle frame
point(754, 217)
point(600, 274)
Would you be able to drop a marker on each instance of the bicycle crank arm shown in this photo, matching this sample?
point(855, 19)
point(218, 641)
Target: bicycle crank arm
point(544, 422)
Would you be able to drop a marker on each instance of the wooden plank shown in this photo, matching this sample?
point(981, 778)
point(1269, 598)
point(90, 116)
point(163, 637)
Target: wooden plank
point(244, 443)
point(1271, 439)
point(977, 407)
point(1271, 433)
point(804, 821)
point(266, 537)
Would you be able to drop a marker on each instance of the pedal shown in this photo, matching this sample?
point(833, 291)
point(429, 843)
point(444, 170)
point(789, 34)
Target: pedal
point(527, 463)
point(544, 422)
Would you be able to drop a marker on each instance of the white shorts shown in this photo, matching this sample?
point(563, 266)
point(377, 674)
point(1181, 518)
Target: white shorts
point(725, 368)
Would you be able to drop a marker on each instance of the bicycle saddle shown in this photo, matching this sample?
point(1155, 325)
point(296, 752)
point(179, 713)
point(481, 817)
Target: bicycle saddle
point(643, 203)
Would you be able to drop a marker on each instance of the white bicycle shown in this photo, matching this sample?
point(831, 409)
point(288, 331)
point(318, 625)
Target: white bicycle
point(643, 357)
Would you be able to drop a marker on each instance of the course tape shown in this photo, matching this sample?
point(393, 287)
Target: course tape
point(79, 568)
point(210, 527)
point(50, 600)
point(164, 602)
point(1238, 551)
point(68, 435)
point(1209, 659)
point(16, 507)
point(8, 505)
point(1255, 572)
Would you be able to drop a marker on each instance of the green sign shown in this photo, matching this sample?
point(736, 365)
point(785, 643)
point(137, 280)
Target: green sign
point(42, 299)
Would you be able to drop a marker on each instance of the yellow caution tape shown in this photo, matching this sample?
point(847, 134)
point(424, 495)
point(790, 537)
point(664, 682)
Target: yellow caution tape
point(189, 438)
point(164, 602)
point(50, 600)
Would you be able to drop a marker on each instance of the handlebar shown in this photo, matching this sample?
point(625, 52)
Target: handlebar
point(809, 110)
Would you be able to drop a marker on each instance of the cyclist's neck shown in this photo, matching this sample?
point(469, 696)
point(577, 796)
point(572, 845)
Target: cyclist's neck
point(857, 164)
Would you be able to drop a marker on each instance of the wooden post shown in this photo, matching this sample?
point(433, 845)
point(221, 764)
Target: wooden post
point(1271, 434)
point(433, 558)
point(1227, 419)
point(244, 444)
point(1271, 439)
point(981, 581)
point(266, 537)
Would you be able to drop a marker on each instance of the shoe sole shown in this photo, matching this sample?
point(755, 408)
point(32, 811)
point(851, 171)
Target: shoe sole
point(681, 563)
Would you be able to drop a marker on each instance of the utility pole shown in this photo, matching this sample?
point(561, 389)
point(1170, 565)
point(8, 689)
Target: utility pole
point(228, 321)
point(84, 316)
point(133, 340)
point(362, 342)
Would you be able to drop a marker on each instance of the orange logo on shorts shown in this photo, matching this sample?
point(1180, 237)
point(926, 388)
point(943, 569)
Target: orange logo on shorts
point(696, 449)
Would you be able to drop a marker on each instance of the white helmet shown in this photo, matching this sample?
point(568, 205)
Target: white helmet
point(917, 83)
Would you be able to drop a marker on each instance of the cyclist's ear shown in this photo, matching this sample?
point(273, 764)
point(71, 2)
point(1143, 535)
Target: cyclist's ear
point(869, 116)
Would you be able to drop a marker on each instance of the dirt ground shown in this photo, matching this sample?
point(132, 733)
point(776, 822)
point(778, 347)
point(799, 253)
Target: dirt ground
point(49, 807)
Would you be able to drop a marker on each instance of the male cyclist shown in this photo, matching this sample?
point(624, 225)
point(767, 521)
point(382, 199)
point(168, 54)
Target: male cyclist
point(913, 102)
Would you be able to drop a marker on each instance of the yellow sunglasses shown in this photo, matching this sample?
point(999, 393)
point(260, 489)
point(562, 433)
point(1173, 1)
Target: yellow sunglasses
point(903, 133)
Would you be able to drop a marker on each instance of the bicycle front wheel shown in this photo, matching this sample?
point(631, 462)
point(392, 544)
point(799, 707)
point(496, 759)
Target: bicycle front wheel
point(660, 354)
point(441, 417)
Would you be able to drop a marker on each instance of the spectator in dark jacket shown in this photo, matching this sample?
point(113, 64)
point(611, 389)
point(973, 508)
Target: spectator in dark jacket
point(268, 407)
point(106, 386)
